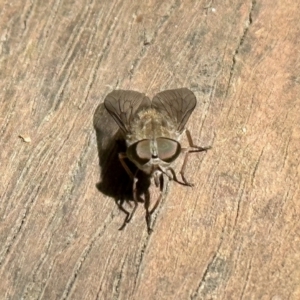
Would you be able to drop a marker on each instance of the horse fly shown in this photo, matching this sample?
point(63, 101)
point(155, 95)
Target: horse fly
point(152, 132)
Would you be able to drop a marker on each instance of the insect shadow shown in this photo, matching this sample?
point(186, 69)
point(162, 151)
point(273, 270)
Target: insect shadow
point(114, 181)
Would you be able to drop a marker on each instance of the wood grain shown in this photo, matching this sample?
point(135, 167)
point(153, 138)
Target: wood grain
point(234, 235)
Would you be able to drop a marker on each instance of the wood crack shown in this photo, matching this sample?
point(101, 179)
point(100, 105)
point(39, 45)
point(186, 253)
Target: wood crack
point(240, 44)
point(119, 280)
point(82, 258)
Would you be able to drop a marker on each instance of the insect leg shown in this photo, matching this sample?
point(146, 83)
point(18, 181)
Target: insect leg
point(122, 156)
point(174, 177)
point(160, 180)
point(135, 197)
point(120, 205)
point(148, 214)
point(183, 169)
point(196, 149)
point(192, 145)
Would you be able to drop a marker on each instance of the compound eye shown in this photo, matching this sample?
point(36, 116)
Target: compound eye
point(139, 152)
point(168, 149)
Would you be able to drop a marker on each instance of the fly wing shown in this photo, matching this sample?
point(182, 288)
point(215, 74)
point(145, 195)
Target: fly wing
point(124, 105)
point(178, 104)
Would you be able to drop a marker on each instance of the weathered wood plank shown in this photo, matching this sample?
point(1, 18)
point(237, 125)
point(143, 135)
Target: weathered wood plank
point(234, 235)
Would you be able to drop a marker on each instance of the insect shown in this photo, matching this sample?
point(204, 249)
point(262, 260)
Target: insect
point(152, 131)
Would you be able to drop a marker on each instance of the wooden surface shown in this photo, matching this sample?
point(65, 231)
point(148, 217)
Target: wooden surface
point(234, 235)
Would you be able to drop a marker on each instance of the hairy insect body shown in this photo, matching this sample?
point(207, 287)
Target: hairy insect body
point(151, 124)
point(152, 130)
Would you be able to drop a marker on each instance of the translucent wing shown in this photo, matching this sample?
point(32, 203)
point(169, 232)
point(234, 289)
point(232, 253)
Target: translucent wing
point(178, 104)
point(124, 105)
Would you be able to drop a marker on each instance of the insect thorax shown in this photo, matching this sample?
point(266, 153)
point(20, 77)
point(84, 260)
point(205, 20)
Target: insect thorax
point(151, 124)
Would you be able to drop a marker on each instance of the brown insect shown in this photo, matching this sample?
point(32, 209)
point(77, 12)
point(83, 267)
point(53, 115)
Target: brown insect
point(152, 131)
